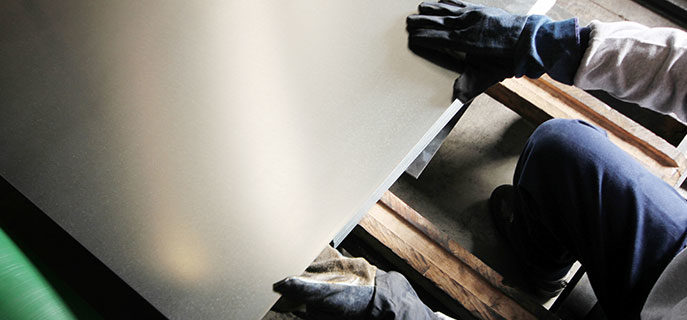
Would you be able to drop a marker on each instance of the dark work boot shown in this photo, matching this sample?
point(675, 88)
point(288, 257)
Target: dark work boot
point(507, 222)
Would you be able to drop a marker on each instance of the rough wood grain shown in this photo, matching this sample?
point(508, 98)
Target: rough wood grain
point(622, 126)
point(429, 230)
point(542, 99)
point(446, 264)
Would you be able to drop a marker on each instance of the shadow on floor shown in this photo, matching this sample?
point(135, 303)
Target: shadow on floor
point(479, 155)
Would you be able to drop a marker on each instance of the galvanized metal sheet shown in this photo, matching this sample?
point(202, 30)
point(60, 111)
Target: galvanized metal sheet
point(204, 150)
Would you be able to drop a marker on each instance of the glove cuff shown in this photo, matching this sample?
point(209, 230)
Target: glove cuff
point(395, 298)
point(550, 47)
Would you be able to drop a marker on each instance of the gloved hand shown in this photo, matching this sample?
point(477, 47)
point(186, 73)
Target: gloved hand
point(337, 287)
point(488, 45)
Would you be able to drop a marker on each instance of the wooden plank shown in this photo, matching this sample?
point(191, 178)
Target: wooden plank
point(622, 126)
point(448, 266)
point(417, 261)
point(429, 230)
point(543, 99)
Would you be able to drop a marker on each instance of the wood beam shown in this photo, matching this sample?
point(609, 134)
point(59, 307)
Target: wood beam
point(446, 264)
point(543, 99)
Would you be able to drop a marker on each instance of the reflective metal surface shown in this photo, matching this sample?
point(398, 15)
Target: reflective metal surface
point(204, 150)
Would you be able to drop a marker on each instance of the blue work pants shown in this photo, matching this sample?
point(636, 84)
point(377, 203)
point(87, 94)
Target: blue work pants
point(580, 197)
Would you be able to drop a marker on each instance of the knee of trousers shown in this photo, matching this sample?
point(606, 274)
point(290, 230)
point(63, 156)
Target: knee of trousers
point(564, 142)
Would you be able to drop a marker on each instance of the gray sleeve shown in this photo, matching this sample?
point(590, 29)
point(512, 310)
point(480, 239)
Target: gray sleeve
point(634, 63)
point(668, 298)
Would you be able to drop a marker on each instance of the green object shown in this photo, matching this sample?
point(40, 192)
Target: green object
point(24, 292)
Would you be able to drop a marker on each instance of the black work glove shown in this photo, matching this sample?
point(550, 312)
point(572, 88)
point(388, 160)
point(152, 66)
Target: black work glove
point(487, 45)
point(337, 287)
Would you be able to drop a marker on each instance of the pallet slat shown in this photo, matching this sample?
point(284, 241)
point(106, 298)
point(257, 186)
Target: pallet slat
point(446, 264)
point(543, 99)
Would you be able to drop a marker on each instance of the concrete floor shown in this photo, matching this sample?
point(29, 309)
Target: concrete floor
point(479, 155)
point(482, 151)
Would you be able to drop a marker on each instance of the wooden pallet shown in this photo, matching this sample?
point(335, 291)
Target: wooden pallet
point(543, 99)
point(448, 266)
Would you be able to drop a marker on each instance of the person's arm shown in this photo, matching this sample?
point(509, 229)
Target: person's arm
point(634, 63)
